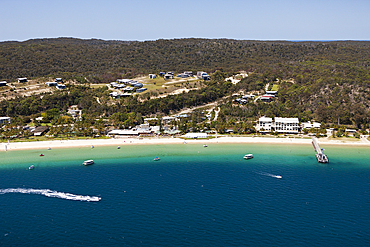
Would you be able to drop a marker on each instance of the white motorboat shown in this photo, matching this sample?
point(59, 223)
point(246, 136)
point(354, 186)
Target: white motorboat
point(205, 145)
point(248, 156)
point(88, 162)
point(31, 167)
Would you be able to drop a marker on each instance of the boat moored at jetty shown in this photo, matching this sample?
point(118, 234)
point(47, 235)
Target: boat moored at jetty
point(248, 156)
point(88, 162)
point(320, 156)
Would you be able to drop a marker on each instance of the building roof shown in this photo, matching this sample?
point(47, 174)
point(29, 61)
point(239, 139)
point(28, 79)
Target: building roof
point(265, 119)
point(196, 135)
point(150, 119)
point(286, 120)
point(123, 132)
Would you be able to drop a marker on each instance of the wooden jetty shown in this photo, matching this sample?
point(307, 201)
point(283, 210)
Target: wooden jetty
point(320, 156)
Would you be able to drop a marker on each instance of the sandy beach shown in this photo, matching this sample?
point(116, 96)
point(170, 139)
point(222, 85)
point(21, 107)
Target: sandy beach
point(158, 141)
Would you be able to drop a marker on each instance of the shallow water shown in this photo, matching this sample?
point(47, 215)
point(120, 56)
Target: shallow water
point(193, 196)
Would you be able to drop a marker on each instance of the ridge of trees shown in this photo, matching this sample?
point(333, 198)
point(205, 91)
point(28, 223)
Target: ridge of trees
point(102, 61)
point(325, 81)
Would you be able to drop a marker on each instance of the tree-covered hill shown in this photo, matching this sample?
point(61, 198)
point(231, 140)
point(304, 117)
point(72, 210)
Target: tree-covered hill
point(100, 60)
point(327, 81)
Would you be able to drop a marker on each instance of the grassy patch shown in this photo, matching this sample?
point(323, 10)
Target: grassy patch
point(275, 87)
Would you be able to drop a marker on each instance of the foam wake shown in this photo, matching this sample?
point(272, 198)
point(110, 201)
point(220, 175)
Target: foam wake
point(52, 193)
point(269, 175)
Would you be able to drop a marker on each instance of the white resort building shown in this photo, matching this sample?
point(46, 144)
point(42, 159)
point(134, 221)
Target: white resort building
point(280, 125)
point(286, 125)
point(264, 124)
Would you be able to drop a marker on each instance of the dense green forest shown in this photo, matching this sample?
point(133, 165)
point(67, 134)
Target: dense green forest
point(100, 60)
point(326, 81)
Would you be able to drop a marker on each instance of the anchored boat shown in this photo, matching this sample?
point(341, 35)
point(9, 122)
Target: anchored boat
point(88, 162)
point(248, 156)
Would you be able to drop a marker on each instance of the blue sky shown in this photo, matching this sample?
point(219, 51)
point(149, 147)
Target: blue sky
point(165, 19)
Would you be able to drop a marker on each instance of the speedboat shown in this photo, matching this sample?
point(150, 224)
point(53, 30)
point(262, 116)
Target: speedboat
point(248, 156)
point(156, 158)
point(41, 155)
point(278, 176)
point(31, 167)
point(205, 145)
point(88, 162)
point(118, 147)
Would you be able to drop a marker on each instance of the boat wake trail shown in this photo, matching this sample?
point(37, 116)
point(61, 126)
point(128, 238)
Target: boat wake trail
point(52, 193)
point(269, 175)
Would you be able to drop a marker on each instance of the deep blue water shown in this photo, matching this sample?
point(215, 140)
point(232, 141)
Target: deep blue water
point(210, 198)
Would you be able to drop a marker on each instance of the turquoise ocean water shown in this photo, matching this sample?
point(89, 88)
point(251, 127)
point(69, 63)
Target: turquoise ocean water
point(193, 196)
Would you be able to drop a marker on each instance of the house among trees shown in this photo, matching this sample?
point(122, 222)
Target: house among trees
point(58, 80)
point(272, 93)
point(351, 132)
point(74, 111)
point(203, 75)
point(2, 83)
point(152, 76)
point(183, 75)
point(22, 79)
point(40, 130)
point(60, 86)
point(51, 84)
point(124, 81)
point(168, 76)
point(4, 120)
point(139, 90)
point(115, 95)
point(266, 98)
point(310, 125)
point(196, 135)
point(248, 96)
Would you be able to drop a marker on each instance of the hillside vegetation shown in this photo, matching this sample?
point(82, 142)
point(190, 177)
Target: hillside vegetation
point(326, 81)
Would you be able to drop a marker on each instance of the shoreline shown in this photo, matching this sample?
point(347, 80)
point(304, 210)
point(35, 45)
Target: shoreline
point(12, 146)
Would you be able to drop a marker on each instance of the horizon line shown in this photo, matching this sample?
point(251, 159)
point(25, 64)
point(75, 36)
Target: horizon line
point(286, 40)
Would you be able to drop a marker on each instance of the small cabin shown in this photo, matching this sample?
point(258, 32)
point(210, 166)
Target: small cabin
point(2, 83)
point(58, 80)
point(206, 77)
point(4, 120)
point(152, 76)
point(168, 76)
point(138, 85)
point(266, 99)
point(61, 86)
point(22, 80)
point(51, 84)
point(140, 90)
